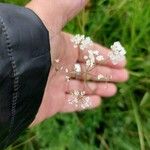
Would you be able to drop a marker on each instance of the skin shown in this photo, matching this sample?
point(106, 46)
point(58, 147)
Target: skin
point(55, 14)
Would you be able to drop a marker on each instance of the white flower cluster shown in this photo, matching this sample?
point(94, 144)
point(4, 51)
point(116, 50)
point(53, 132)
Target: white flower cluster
point(81, 41)
point(77, 69)
point(118, 53)
point(100, 77)
point(92, 57)
point(79, 99)
point(86, 43)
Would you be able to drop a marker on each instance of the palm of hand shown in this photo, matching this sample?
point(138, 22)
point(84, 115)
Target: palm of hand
point(56, 92)
point(54, 99)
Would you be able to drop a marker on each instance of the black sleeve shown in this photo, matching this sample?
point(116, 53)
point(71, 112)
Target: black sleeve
point(24, 68)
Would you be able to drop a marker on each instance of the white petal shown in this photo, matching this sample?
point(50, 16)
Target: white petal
point(100, 76)
point(100, 58)
point(66, 70)
point(85, 57)
point(77, 68)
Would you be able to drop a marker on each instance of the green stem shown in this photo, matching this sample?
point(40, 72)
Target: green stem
point(139, 124)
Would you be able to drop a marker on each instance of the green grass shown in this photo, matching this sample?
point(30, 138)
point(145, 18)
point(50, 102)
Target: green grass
point(122, 122)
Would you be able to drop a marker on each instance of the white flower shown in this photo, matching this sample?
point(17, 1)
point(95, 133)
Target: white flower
point(61, 68)
point(96, 53)
point(86, 103)
point(78, 99)
point(77, 68)
point(85, 57)
point(88, 63)
point(117, 48)
point(66, 70)
point(67, 78)
point(114, 58)
point(117, 54)
point(76, 93)
point(100, 77)
point(82, 93)
point(99, 58)
point(77, 39)
point(81, 41)
point(87, 42)
point(92, 57)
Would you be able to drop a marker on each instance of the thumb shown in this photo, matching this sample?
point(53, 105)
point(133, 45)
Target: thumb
point(56, 13)
point(72, 8)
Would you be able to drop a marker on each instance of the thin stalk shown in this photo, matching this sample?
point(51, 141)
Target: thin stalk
point(139, 124)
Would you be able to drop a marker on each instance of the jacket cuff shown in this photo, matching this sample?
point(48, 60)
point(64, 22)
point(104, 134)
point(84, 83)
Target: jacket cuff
point(24, 68)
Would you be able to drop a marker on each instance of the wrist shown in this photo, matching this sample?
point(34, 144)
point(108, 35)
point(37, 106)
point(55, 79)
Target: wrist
point(48, 13)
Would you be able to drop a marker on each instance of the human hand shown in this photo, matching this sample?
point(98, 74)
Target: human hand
point(55, 15)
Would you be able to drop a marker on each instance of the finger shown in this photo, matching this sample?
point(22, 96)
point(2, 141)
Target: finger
point(104, 52)
point(93, 88)
point(94, 99)
point(109, 74)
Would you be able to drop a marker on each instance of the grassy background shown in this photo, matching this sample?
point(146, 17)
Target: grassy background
point(122, 122)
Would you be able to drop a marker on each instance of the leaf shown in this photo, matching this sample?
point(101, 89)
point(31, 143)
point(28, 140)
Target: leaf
point(146, 99)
